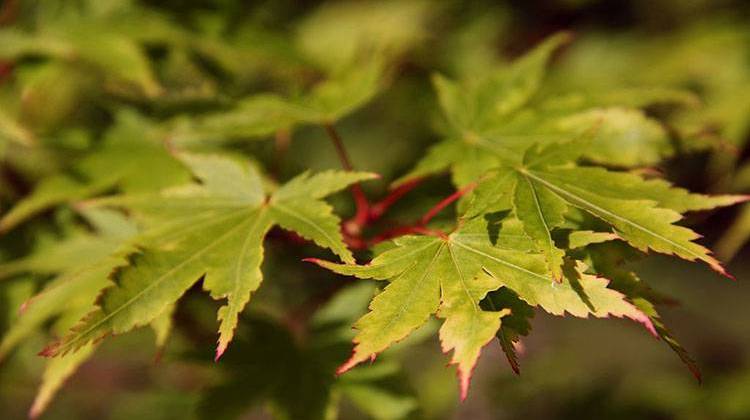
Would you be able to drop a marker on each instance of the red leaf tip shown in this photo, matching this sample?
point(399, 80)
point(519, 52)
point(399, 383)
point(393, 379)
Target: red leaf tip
point(220, 351)
point(716, 266)
point(49, 351)
point(34, 412)
point(346, 366)
point(464, 379)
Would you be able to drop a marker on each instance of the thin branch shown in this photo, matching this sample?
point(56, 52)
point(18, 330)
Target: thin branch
point(378, 209)
point(419, 227)
point(339, 145)
point(363, 205)
point(445, 203)
point(281, 141)
point(8, 12)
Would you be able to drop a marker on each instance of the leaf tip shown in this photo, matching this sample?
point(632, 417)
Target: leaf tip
point(24, 306)
point(34, 412)
point(717, 267)
point(220, 349)
point(696, 373)
point(51, 350)
point(316, 261)
point(647, 323)
point(464, 378)
point(349, 364)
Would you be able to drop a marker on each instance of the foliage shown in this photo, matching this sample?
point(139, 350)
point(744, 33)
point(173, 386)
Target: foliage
point(154, 152)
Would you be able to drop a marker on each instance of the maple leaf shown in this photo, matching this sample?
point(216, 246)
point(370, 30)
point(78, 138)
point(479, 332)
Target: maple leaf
point(642, 212)
point(82, 263)
point(212, 230)
point(450, 276)
point(132, 157)
point(493, 121)
point(259, 116)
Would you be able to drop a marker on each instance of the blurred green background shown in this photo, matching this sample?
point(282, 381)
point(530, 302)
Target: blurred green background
point(71, 70)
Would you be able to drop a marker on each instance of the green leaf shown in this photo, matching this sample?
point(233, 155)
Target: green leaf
point(638, 221)
point(482, 116)
point(81, 263)
point(643, 213)
point(132, 157)
point(623, 137)
point(212, 230)
point(49, 192)
point(540, 211)
point(260, 116)
point(117, 57)
point(335, 36)
point(449, 276)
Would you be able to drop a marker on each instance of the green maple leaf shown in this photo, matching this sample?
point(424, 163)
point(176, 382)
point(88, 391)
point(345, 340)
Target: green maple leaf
point(212, 230)
point(259, 116)
point(450, 276)
point(111, 54)
point(493, 121)
point(642, 212)
point(132, 157)
point(82, 263)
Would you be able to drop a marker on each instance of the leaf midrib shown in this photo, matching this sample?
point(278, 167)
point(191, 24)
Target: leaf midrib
point(574, 197)
point(130, 301)
point(402, 308)
point(538, 208)
point(501, 261)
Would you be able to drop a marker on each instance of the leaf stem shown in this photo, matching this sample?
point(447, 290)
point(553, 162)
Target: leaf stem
point(363, 205)
point(378, 209)
point(445, 203)
point(420, 226)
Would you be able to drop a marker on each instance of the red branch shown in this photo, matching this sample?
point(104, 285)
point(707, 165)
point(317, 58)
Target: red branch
point(445, 203)
point(417, 228)
point(378, 209)
point(369, 212)
point(8, 12)
point(363, 205)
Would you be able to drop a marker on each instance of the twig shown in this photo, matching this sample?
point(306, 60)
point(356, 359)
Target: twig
point(421, 226)
point(378, 209)
point(8, 12)
point(445, 203)
point(281, 141)
point(353, 226)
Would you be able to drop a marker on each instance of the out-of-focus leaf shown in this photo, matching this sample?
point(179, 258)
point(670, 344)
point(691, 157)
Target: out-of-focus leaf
point(337, 35)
